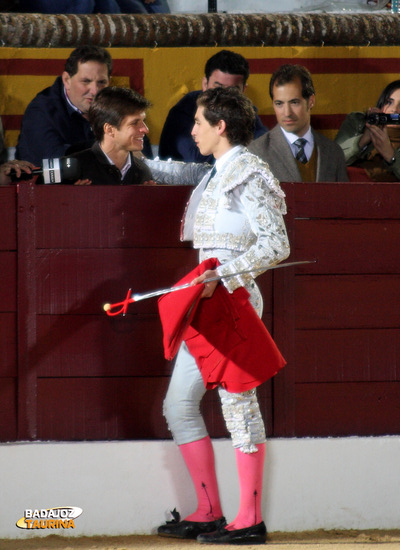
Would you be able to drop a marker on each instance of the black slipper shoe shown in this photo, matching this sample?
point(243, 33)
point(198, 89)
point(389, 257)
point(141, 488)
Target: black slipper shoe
point(256, 534)
point(188, 529)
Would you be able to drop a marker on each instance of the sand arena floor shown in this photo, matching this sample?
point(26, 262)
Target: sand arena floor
point(315, 540)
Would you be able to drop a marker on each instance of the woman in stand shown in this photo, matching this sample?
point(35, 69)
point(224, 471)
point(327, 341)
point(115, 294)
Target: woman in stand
point(372, 151)
point(235, 215)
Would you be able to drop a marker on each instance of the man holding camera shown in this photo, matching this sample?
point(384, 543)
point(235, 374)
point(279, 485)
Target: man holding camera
point(371, 141)
point(293, 150)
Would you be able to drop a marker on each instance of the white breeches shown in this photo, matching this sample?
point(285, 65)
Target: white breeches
point(182, 408)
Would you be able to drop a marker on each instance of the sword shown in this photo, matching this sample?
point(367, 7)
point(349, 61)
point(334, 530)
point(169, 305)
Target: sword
point(122, 307)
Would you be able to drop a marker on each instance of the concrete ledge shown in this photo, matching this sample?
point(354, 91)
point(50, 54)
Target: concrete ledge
point(128, 487)
point(213, 29)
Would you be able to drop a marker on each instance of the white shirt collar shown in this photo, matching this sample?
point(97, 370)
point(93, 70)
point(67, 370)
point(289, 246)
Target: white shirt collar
point(291, 138)
point(70, 103)
point(125, 167)
point(226, 157)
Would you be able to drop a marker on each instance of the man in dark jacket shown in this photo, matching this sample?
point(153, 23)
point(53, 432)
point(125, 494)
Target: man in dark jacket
point(117, 116)
point(94, 6)
point(56, 120)
point(225, 68)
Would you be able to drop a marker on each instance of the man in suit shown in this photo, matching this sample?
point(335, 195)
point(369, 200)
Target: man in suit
point(293, 150)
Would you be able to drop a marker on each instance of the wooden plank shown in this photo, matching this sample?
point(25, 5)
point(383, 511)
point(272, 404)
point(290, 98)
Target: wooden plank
point(8, 409)
point(347, 355)
point(109, 216)
point(82, 281)
point(265, 400)
point(8, 222)
point(283, 334)
point(265, 284)
point(348, 246)
point(346, 200)
point(117, 408)
point(212, 414)
point(8, 287)
point(101, 408)
point(95, 346)
point(8, 345)
point(26, 318)
point(343, 409)
point(101, 378)
point(347, 301)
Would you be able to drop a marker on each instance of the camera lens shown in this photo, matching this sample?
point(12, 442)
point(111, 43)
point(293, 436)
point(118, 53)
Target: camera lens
point(381, 119)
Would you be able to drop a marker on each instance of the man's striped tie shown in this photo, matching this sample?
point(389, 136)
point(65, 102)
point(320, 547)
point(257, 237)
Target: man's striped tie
point(301, 156)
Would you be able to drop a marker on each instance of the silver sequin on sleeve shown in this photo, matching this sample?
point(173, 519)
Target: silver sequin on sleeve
point(173, 172)
point(243, 419)
point(242, 211)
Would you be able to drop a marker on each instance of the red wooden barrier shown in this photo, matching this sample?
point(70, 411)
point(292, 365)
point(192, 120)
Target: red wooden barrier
point(338, 320)
point(69, 372)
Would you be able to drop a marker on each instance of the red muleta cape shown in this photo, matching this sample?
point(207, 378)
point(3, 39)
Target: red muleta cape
point(229, 342)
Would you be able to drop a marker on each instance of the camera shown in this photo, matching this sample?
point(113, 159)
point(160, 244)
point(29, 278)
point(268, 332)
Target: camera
point(52, 170)
point(381, 119)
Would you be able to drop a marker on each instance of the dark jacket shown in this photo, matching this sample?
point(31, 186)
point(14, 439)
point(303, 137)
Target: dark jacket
point(176, 141)
point(93, 6)
point(95, 166)
point(50, 126)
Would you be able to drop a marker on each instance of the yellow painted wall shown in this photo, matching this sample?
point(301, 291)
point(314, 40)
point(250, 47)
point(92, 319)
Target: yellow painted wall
point(171, 72)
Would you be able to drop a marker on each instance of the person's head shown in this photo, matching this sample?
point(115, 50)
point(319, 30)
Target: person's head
point(226, 68)
point(87, 70)
point(224, 118)
point(389, 100)
point(293, 96)
point(118, 114)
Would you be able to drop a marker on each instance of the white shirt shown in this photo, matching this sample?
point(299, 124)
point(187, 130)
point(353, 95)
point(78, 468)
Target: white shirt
point(190, 213)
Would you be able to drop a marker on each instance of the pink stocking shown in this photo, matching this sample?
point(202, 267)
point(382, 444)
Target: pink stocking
point(250, 470)
point(199, 459)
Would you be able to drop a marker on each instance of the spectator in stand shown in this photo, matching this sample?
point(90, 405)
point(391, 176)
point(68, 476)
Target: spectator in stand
point(142, 6)
point(293, 150)
point(372, 151)
point(59, 6)
point(95, 6)
point(117, 116)
point(225, 68)
point(56, 120)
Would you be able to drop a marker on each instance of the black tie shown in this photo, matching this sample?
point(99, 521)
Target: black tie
point(301, 156)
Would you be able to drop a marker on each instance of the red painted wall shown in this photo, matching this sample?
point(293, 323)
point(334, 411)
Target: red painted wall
point(70, 372)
